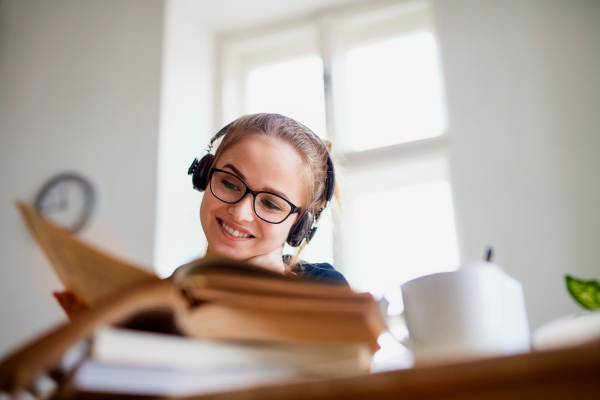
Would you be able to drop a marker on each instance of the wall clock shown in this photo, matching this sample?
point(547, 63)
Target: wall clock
point(68, 200)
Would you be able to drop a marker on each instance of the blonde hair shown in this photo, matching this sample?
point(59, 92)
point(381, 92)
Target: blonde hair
point(312, 150)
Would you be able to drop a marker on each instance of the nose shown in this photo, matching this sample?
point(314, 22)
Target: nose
point(242, 211)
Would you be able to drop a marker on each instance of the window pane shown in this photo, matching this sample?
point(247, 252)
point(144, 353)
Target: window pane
point(404, 233)
point(393, 92)
point(292, 88)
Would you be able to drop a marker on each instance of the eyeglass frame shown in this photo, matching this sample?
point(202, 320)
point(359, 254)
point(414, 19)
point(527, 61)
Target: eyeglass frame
point(294, 209)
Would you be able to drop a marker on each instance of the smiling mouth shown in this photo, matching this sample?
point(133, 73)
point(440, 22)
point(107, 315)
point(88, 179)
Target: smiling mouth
point(234, 232)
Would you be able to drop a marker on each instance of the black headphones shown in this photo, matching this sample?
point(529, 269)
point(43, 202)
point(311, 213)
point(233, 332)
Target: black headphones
point(305, 227)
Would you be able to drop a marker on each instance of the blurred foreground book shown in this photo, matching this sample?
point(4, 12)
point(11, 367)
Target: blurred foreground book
point(229, 325)
point(137, 362)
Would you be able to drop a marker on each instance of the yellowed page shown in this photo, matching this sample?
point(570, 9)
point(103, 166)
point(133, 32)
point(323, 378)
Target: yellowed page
point(89, 273)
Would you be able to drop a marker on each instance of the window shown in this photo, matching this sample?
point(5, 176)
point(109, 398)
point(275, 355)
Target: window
point(293, 88)
point(402, 225)
point(393, 92)
point(368, 78)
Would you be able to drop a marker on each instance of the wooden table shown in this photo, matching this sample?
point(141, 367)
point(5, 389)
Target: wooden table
point(560, 374)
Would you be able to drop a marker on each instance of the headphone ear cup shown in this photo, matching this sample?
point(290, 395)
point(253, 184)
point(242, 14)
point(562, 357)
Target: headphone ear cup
point(200, 175)
point(330, 180)
point(310, 234)
point(300, 230)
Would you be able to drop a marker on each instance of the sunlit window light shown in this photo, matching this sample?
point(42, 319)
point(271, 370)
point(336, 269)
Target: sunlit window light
point(393, 92)
point(402, 234)
point(292, 88)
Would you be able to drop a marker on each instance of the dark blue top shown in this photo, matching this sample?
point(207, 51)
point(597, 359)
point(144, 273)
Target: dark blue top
point(323, 272)
point(320, 272)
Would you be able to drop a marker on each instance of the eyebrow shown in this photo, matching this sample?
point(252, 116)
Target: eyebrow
point(266, 189)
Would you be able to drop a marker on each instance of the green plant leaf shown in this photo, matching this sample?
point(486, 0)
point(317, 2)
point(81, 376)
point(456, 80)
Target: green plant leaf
point(586, 293)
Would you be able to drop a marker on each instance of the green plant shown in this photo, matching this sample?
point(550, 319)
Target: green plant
point(586, 293)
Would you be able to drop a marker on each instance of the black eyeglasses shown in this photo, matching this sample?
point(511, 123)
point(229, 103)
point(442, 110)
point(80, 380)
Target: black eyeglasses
point(267, 206)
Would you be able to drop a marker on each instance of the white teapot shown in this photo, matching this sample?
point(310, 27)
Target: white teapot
point(476, 311)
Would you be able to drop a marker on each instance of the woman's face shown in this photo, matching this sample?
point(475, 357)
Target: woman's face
point(264, 165)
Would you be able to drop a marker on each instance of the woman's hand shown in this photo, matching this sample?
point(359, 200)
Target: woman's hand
point(272, 261)
point(69, 303)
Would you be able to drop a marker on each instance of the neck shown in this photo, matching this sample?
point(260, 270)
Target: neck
point(209, 253)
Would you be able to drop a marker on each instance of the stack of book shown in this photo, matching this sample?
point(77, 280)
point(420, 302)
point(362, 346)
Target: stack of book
point(214, 325)
point(147, 363)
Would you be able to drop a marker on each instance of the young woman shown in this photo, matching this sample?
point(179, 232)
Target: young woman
point(267, 184)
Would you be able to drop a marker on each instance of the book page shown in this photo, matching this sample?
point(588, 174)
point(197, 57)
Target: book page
point(87, 272)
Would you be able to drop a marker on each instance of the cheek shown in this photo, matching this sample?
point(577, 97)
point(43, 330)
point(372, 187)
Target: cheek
point(275, 235)
point(205, 208)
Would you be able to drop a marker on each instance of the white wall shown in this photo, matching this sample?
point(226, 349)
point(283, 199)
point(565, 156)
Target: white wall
point(79, 91)
point(523, 93)
point(185, 130)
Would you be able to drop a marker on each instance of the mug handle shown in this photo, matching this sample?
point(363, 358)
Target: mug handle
point(396, 320)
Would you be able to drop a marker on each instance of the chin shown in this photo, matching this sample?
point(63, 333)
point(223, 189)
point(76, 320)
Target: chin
point(221, 250)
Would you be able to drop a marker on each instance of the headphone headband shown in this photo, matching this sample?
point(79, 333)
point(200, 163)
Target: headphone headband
point(222, 132)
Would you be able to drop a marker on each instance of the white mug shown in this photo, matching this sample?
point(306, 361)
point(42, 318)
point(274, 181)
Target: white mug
point(476, 311)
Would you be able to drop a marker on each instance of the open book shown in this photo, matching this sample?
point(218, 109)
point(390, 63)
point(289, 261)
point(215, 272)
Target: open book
point(216, 299)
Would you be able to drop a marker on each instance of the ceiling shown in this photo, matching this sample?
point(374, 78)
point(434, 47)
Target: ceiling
point(230, 15)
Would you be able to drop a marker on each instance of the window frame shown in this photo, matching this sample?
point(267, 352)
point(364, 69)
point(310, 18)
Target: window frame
point(330, 34)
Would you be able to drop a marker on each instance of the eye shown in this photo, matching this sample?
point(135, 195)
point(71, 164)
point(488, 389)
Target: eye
point(269, 205)
point(229, 185)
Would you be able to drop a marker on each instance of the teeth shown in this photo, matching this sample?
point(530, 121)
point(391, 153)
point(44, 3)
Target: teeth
point(233, 232)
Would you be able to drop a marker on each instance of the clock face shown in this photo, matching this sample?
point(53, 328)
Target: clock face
point(67, 200)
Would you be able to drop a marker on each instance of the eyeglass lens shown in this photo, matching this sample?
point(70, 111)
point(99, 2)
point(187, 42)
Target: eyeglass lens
point(231, 189)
